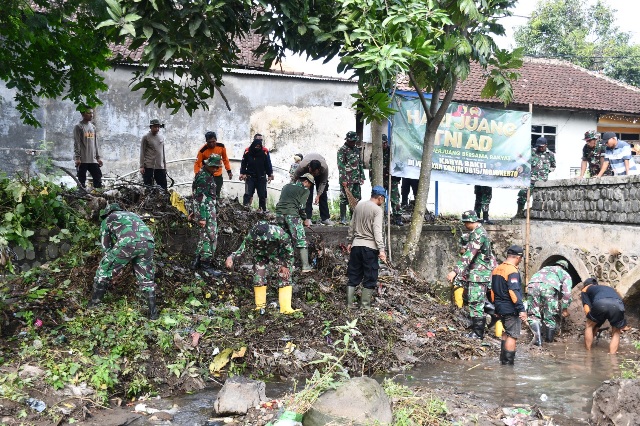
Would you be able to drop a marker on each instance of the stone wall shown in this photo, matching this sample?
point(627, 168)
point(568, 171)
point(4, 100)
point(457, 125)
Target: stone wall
point(614, 199)
point(44, 250)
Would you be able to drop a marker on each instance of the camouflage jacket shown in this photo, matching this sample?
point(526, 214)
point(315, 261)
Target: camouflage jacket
point(592, 156)
point(350, 167)
point(386, 159)
point(277, 247)
point(477, 261)
point(541, 165)
point(293, 200)
point(555, 277)
point(204, 194)
point(121, 229)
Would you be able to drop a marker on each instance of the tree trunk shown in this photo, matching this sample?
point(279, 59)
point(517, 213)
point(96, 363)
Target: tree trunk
point(377, 129)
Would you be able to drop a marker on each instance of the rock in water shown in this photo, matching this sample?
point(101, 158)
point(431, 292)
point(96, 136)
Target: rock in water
point(616, 403)
point(360, 401)
point(238, 395)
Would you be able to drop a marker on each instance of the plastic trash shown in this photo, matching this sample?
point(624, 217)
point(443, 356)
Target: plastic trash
point(543, 397)
point(288, 418)
point(36, 404)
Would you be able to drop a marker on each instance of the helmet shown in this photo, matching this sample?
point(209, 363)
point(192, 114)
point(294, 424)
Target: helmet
point(309, 177)
point(563, 263)
point(214, 160)
point(470, 216)
point(590, 134)
point(378, 190)
point(114, 207)
point(352, 137)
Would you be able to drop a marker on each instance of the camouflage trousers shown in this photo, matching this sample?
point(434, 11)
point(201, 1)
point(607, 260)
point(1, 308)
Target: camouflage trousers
point(477, 294)
point(394, 195)
point(483, 198)
point(263, 262)
point(294, 226)
point(522, 196)
point(140, 254)
point(543, 305)
point(356, 191)
point(208, 236)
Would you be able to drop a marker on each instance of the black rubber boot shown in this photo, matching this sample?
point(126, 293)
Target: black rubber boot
point(477, 328)
point(151, 303)
point(485, 218)
point(550, 334)
point(351, 292)
point(537, 333)
point(398, 220)
point(343, 214)
point(196, 262)
point(208, 268)
point(99, 289)
point(510, 357)
point(503, 358)
point(519, 213)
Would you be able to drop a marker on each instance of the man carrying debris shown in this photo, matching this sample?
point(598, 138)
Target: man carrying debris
point(506, 294)
point(316, 165)
point(543, 162)
point(365, 246)
point(476, 265)
point(153, 164)
point(85, 149)
point(593, 155)
point(394, 193)
point(270, 244)
point(602, 303)
point(544, 291)
point(256, 169)
point(351, 172)
point(204, 214)
point(125, 238)
point(212, 146)
point(291, 216)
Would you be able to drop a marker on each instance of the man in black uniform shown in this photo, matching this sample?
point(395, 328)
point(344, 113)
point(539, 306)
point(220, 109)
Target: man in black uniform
point(602, 303)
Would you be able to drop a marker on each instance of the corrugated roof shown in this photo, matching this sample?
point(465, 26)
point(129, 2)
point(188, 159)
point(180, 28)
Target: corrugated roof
point(555, 84)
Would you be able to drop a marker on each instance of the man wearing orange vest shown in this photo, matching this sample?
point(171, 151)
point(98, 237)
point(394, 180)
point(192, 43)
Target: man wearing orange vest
point(213, 147)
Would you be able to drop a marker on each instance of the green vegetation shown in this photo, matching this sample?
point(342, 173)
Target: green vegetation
point(412, 409)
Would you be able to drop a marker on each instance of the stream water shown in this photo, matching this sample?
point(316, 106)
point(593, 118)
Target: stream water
point(562, 384)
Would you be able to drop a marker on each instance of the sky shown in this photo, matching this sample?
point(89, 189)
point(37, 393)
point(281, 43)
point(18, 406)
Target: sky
point(627, 18)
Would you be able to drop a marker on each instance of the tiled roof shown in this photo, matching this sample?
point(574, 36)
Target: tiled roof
point(555, 84)
point(245, 56)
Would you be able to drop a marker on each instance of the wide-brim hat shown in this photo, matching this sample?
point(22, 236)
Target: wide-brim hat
point(309, 177)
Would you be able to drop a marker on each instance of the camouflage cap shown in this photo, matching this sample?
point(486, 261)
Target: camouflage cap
point(214, 160)
point(352, 137)
point(470, 216)
point(309, 177)
point(590, 134)
point(155, 122)
point(113, 207)
point(260, 231)
point(563, 263)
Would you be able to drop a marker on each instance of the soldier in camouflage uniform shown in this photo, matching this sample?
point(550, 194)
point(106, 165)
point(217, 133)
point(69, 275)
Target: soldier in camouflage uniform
point(460, 282)
point(270, 245)
point(125, 238)
point(204, 214)
point(351, 172)
point(483, 199)
point(548, 289)
point(593, 155)
point(476, 265)
point(291, 215)
point(394, 192)
point(543, 162)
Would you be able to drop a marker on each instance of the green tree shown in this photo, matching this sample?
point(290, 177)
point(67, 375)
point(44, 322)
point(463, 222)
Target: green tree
point(431, 42)
point(583, 34)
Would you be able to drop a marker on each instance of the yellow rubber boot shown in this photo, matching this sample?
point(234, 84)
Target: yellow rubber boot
point(284, 297)
point(457, 296)
point(260, 294)
point(499, 329)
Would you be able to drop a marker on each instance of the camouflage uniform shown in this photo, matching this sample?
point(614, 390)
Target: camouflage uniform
point(290, 212)
point(394, 193)
point(476, 264)
point(204, 208)
point(541, 165)
point(545, 290)
point(351, 171)
point(274, 247)
point(483, 198)
point(126, 238)
point(592, 156)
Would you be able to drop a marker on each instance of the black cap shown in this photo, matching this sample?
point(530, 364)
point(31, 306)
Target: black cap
point(541, 141)
point(385, 138)
point(210, 135)
point(515, 250)
point(608, 135)
point(590, 281)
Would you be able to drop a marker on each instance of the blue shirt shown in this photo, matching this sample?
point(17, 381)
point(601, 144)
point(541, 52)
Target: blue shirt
point(617, 156)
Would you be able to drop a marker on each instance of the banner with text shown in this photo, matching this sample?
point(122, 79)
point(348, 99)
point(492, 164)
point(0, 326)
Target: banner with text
point(478, 146)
